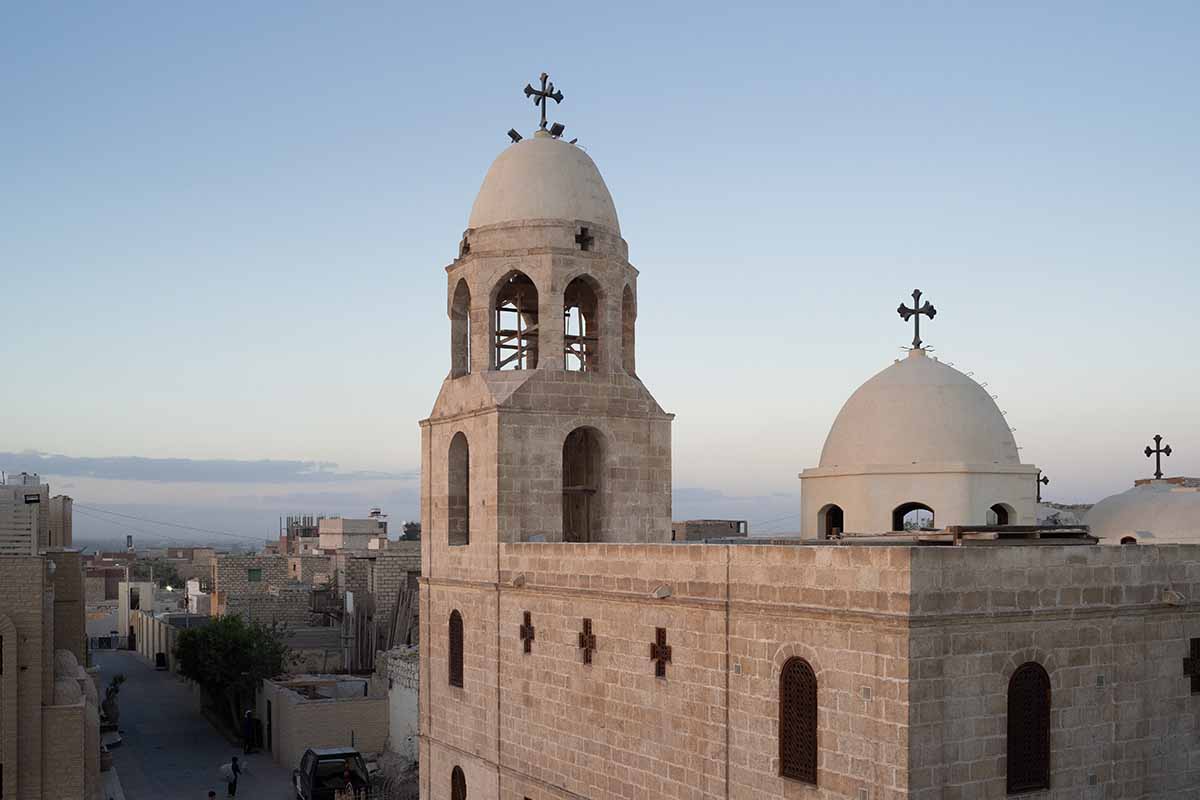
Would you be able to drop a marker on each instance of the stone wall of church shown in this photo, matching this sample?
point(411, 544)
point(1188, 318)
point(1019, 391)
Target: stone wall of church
point(614, 729)
point(1100, 621)
point(912, 647)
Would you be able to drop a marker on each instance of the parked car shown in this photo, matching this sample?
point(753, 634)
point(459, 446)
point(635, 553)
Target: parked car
point(323, 771)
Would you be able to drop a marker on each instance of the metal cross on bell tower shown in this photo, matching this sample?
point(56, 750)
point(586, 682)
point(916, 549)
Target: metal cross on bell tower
point(1158, 451)
point(915, 313)
point(541, 95)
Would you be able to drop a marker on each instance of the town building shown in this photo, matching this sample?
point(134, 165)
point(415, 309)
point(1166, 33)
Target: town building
point(344, 533)
point(569, 649)
point(697, 530)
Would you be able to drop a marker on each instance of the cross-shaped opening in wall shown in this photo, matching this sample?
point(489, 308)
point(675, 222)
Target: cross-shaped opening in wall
point(527, 632)
point(660, 652)
point(587, 641)
point(584, 239)
point(1191, 666)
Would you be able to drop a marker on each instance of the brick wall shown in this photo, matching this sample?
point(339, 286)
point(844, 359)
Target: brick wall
point(298, 723)
point(70, 621)
point(232, 574)
point(63, 760)
point(24, 597)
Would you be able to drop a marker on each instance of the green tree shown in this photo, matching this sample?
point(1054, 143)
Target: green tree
point(228, 657)
point(164, 572)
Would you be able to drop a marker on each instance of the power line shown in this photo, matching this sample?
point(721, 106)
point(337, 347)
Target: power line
point(172, 524)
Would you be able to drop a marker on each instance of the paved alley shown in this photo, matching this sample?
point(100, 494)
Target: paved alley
point(171, 752)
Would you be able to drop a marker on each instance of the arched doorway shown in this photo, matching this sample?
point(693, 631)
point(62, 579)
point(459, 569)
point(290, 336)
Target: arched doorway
point(581, 328)
point(460, 331)
point(1128, 540)
point(515, 320)
point(582, 471)
point(1000, 514)
point(831, 522)
point(912, 516)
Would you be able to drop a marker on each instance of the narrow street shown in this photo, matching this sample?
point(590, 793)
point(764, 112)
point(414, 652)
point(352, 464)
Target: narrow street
point(169, 751)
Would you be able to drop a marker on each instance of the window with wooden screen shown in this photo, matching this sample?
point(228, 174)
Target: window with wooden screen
point(1028, 729)
point(456, 649)
point(798, 721)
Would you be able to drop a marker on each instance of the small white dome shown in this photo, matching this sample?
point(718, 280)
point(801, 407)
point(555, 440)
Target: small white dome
point(919, 410)
point(543, 178)
point(1156, 512)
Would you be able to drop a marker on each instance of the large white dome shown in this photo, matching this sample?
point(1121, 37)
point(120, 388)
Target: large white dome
point(543, 178)
point(1155, 512)
point(919, 411)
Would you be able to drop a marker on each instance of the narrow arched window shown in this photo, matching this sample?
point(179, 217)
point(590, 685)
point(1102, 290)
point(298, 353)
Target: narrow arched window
point(912, 517)
point(458, 491)
point(455, 649)
point(999, 514)
point(798, 721)
point(582, 471)
point(458, 784)
point(581, 329)
point(460, 331)
point(515, 321)
point(628, 325)
point(1028, 729)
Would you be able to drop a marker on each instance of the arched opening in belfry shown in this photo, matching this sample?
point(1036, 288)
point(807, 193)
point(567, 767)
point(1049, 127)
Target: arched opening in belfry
point(582, 471)
point(1128, 540)
point(912, 516)
point(458, 491)
point(628, 325)
point(515, 321)
point(460, 330)
point(1000, 514)
point(831, 521)
point(581, 329)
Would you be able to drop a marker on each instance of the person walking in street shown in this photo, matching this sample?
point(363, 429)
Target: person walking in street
point(248, 733)
point(231, 772)
point(212, 795)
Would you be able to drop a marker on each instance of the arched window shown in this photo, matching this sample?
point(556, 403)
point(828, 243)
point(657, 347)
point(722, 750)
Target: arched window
point(516, 323)
point(582, 469)
point(831, 521)
point(999, 514)
point(628, 325)
point(460, 331)
point(581, 329)
point(1128, 540)
point(912, 517)
point(458, 784)
point(798, 721)
point(1028, 729)
point(455, 648)
point(458, 491)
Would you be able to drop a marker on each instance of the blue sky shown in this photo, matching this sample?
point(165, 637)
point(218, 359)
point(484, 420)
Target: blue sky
point(225, 224)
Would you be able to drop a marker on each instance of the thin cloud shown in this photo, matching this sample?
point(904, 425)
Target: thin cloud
point(188, 470)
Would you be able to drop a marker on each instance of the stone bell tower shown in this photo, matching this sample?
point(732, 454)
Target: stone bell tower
point(542, 431)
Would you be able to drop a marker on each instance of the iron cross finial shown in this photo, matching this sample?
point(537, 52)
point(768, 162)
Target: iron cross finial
point(1158, 451)
point(915, 313)
point(541, 95)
